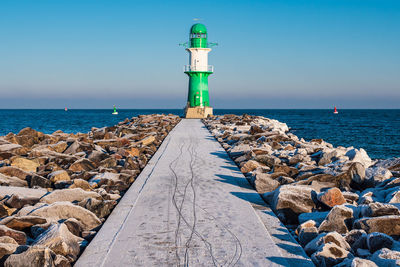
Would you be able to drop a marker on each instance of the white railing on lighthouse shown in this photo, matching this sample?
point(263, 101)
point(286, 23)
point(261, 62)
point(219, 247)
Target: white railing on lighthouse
point(208, 68)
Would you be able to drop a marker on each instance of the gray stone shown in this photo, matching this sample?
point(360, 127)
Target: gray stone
point(337, 220)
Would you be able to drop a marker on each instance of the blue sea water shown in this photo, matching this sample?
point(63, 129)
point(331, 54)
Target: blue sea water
point(377, 131)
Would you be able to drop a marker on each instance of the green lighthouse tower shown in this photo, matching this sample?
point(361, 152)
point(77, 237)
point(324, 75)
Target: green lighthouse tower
point(198, 103)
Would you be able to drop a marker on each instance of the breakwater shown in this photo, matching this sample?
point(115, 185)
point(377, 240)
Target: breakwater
point(57, 189)
point(341, 205)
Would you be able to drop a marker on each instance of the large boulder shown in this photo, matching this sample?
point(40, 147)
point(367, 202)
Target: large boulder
point(357, 239)
point(360, 156)
point(338, 219)
point(82, 165)
point(7, 248)
point(33, 257)
point(264, 183)
point(325, 238)
point(11, 181)
point(377, 209)
point(21, 192)
point(329, 255)
point(15, 171)
point(58, 176)
point(60, 240)
point(25, 164)
point(71, 195)
point(62, 210)
point(378, 174)
point(332, 197)
point(22, 222)
point(289, 201)
point(18, 236)
point(389, 224)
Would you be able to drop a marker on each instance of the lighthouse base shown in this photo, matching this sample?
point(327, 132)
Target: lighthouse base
point(198, 112)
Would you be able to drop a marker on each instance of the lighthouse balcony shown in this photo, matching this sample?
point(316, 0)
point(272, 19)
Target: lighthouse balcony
point(191, 68)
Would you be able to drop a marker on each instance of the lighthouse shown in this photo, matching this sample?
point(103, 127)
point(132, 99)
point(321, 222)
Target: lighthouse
point(198, 70)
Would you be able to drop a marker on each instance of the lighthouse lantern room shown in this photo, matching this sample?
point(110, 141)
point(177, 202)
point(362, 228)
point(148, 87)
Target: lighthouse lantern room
point(198, 103)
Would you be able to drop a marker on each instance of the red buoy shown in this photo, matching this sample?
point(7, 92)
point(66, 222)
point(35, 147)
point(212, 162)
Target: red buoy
point(335, 111)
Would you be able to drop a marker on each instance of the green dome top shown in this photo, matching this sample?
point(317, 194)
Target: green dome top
point(198, 28)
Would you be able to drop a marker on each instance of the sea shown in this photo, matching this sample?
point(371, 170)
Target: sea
point(377, 131)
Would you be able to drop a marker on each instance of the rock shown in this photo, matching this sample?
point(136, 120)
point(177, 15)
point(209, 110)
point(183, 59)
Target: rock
point(18, 236)
point(268, 160)
point(61, 261)
point(80, 183)
point(360, 156)
point(309, 223)
point(357, 172)
point(21, 192)
point(15, 172)
point(33, 257)
point(350, 197)
point(25, 164)
point(60, 240)
point(71, 195)
point(63, 210)
point(288, 201)
point(59, 176)
point(376, 241)
point(332, 197)
point(82, 165)
point(17, 202)
point(98, 207)
point(356, 262)
point(12, 148)
point(289, 171)
point(22, 222)
point(147, 140)
point(7, 240)
point(74, 226)
point(11, 181)
point(39, 181)
point(395, 197)
point(378, 174)
point(332, 237)
point(377, 209)
point(386, 258)
point(7, 249)
point(357, 239)
point(330, 254)
point(249, 166)
point(338, 219)
point(389, 224)
point(264, 183)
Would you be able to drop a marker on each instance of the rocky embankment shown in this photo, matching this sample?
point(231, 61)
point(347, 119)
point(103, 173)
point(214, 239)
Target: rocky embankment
point(57, 189)
point(341, 206)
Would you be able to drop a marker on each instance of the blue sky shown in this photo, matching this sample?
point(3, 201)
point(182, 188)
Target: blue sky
point(271, 54)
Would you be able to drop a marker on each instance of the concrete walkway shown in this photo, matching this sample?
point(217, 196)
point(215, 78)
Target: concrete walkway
point(191, 206)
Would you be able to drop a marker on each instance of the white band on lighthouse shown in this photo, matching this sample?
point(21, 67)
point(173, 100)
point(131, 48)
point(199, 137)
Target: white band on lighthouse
point(198, 59)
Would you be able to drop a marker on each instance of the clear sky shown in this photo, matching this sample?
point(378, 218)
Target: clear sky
point(271, 54)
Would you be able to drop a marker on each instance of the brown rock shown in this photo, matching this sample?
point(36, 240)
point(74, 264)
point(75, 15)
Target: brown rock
point(332, 197)
point(16, 201)
point(82, 165)
point(60, 240)
point(63, 210)
point(33, 257)
point(289, 171)
point(337, 220)
point(25, 164)
point(18, 236)
point(12, 181)
point(59, 176)
point(264, 183)
point(389, 224)
point(7, 249)
point(80, 183)
point(329, 255)
point(249, 166)
point(22, 222)
point(70, 195)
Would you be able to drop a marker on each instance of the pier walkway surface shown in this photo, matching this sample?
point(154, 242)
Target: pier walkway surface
point(191, 206)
